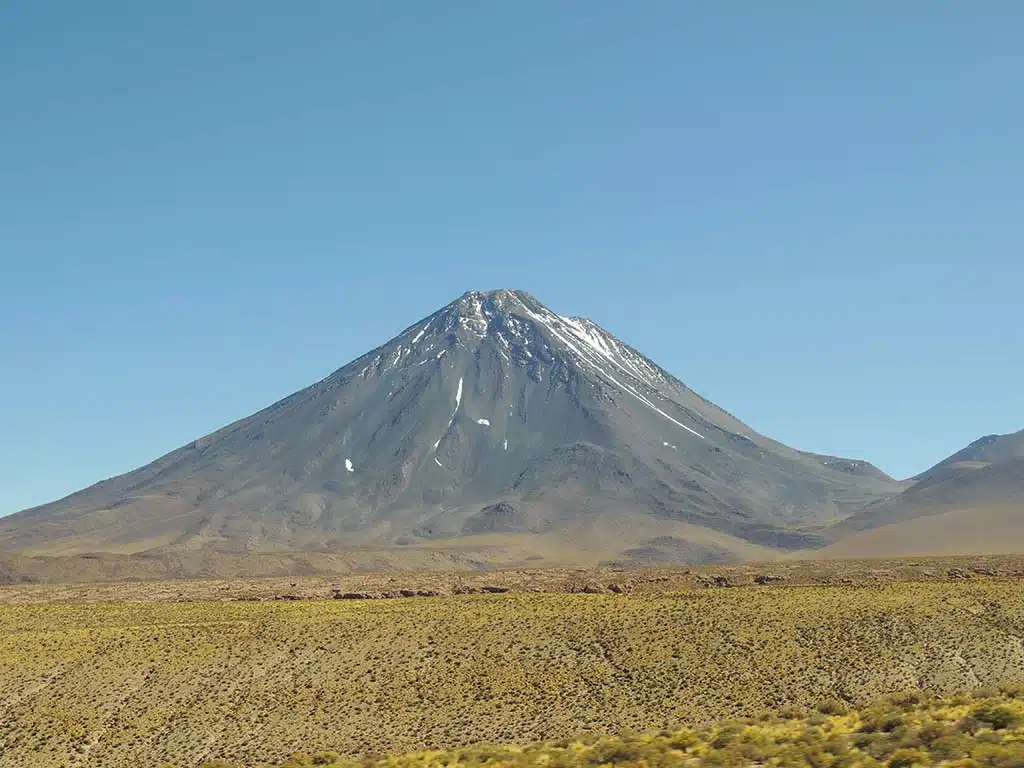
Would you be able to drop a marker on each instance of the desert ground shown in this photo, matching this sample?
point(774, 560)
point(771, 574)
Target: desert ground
point(254, 671)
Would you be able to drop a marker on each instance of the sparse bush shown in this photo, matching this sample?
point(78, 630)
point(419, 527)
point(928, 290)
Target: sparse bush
point(792, 712)
point(833, 707)
point(683, 740)
point(722, 758)
point(757, 751)
point(970, 725)
point(1009, 755)
point(615, 752)
point(986, 692)
point(908, 700)
point(950, 746)
point(1012, 690)
point(930, 732)
point(880, 720)
point(996, 716)
point(727, 734)
point(905, 758)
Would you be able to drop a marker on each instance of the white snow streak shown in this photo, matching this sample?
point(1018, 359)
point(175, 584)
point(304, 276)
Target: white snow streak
point(585, 357)
point(458, 402)
point(503, 346)
point(348, 465)
point(399, 354)
point(438, 463)
point(593, 339)
point(596, 342)
point(419, 335)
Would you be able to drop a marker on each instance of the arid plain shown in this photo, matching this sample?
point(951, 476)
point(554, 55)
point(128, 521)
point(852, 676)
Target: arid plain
point(255, 671)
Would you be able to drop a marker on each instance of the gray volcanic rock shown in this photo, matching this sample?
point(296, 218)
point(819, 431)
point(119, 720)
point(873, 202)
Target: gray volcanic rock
point(494, 414)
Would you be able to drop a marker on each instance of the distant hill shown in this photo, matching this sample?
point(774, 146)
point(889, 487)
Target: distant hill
point(494, 430)
point(971, 502)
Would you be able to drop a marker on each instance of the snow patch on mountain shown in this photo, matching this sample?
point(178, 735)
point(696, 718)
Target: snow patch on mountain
point(458, 402)
point(421, 333)
point(594, 359)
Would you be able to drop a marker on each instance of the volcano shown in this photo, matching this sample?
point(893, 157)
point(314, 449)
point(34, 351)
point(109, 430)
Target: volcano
point(492, 420)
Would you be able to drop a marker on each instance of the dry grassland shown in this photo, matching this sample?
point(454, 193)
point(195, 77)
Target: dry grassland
point(131, 684)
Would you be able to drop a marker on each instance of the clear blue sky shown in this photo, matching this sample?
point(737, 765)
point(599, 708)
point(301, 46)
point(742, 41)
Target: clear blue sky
point(812, 213)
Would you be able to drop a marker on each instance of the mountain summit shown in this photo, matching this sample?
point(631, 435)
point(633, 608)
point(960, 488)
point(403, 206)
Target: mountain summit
point(493, 419)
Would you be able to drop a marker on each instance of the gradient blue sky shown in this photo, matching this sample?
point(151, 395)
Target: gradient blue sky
point(811, 212)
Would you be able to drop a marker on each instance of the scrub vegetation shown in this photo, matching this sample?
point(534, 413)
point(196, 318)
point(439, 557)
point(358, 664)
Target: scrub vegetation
point(252, 682)
point(909, 729)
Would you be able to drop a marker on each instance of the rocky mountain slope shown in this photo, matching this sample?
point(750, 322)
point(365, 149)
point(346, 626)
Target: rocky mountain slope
point(971, 502)
point(494, 420)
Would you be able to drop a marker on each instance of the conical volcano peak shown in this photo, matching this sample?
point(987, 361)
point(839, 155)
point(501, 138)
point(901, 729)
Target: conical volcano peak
point(479, 314)
point(494, 398)
point(497, 296)
point(475, 304)
point(517, 327)
point(499, 307)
